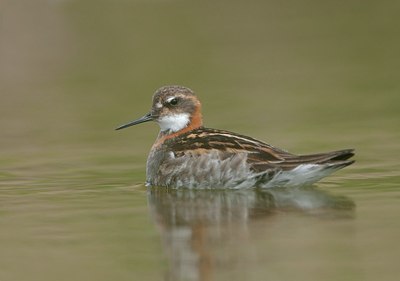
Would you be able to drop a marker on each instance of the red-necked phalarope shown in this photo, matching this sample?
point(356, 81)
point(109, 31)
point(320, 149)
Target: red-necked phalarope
point(186, 154)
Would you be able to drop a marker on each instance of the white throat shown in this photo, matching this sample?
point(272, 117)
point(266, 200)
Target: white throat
point(174, 123)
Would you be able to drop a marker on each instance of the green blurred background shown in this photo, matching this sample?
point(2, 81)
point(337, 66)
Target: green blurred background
point(78, 68)
point(307, 76)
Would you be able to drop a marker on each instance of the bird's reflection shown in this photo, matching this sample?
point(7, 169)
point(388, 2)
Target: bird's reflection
point(193, 221)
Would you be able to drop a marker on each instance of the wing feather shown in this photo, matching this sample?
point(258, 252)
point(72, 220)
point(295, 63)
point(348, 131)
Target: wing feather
point(260, 156)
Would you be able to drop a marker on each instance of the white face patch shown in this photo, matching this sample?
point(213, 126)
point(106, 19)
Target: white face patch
point(159, 105)
point(173, 123)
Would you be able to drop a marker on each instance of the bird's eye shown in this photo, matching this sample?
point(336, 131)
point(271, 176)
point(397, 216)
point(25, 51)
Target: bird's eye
point(173, 101)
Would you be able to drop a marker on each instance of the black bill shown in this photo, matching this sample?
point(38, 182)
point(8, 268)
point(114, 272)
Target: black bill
point(143, 119)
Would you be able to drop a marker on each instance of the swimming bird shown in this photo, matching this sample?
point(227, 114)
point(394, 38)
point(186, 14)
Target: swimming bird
point(187, 154)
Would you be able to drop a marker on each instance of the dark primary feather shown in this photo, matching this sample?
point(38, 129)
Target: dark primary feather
point(260, 156)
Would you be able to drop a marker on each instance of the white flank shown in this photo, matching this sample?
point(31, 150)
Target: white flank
point(304, 174)
point(173, 122)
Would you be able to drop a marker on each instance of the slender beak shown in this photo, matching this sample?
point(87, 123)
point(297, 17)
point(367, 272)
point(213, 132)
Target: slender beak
point(143, 119)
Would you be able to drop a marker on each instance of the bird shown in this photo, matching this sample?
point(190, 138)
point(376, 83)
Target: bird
point(188, 155)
